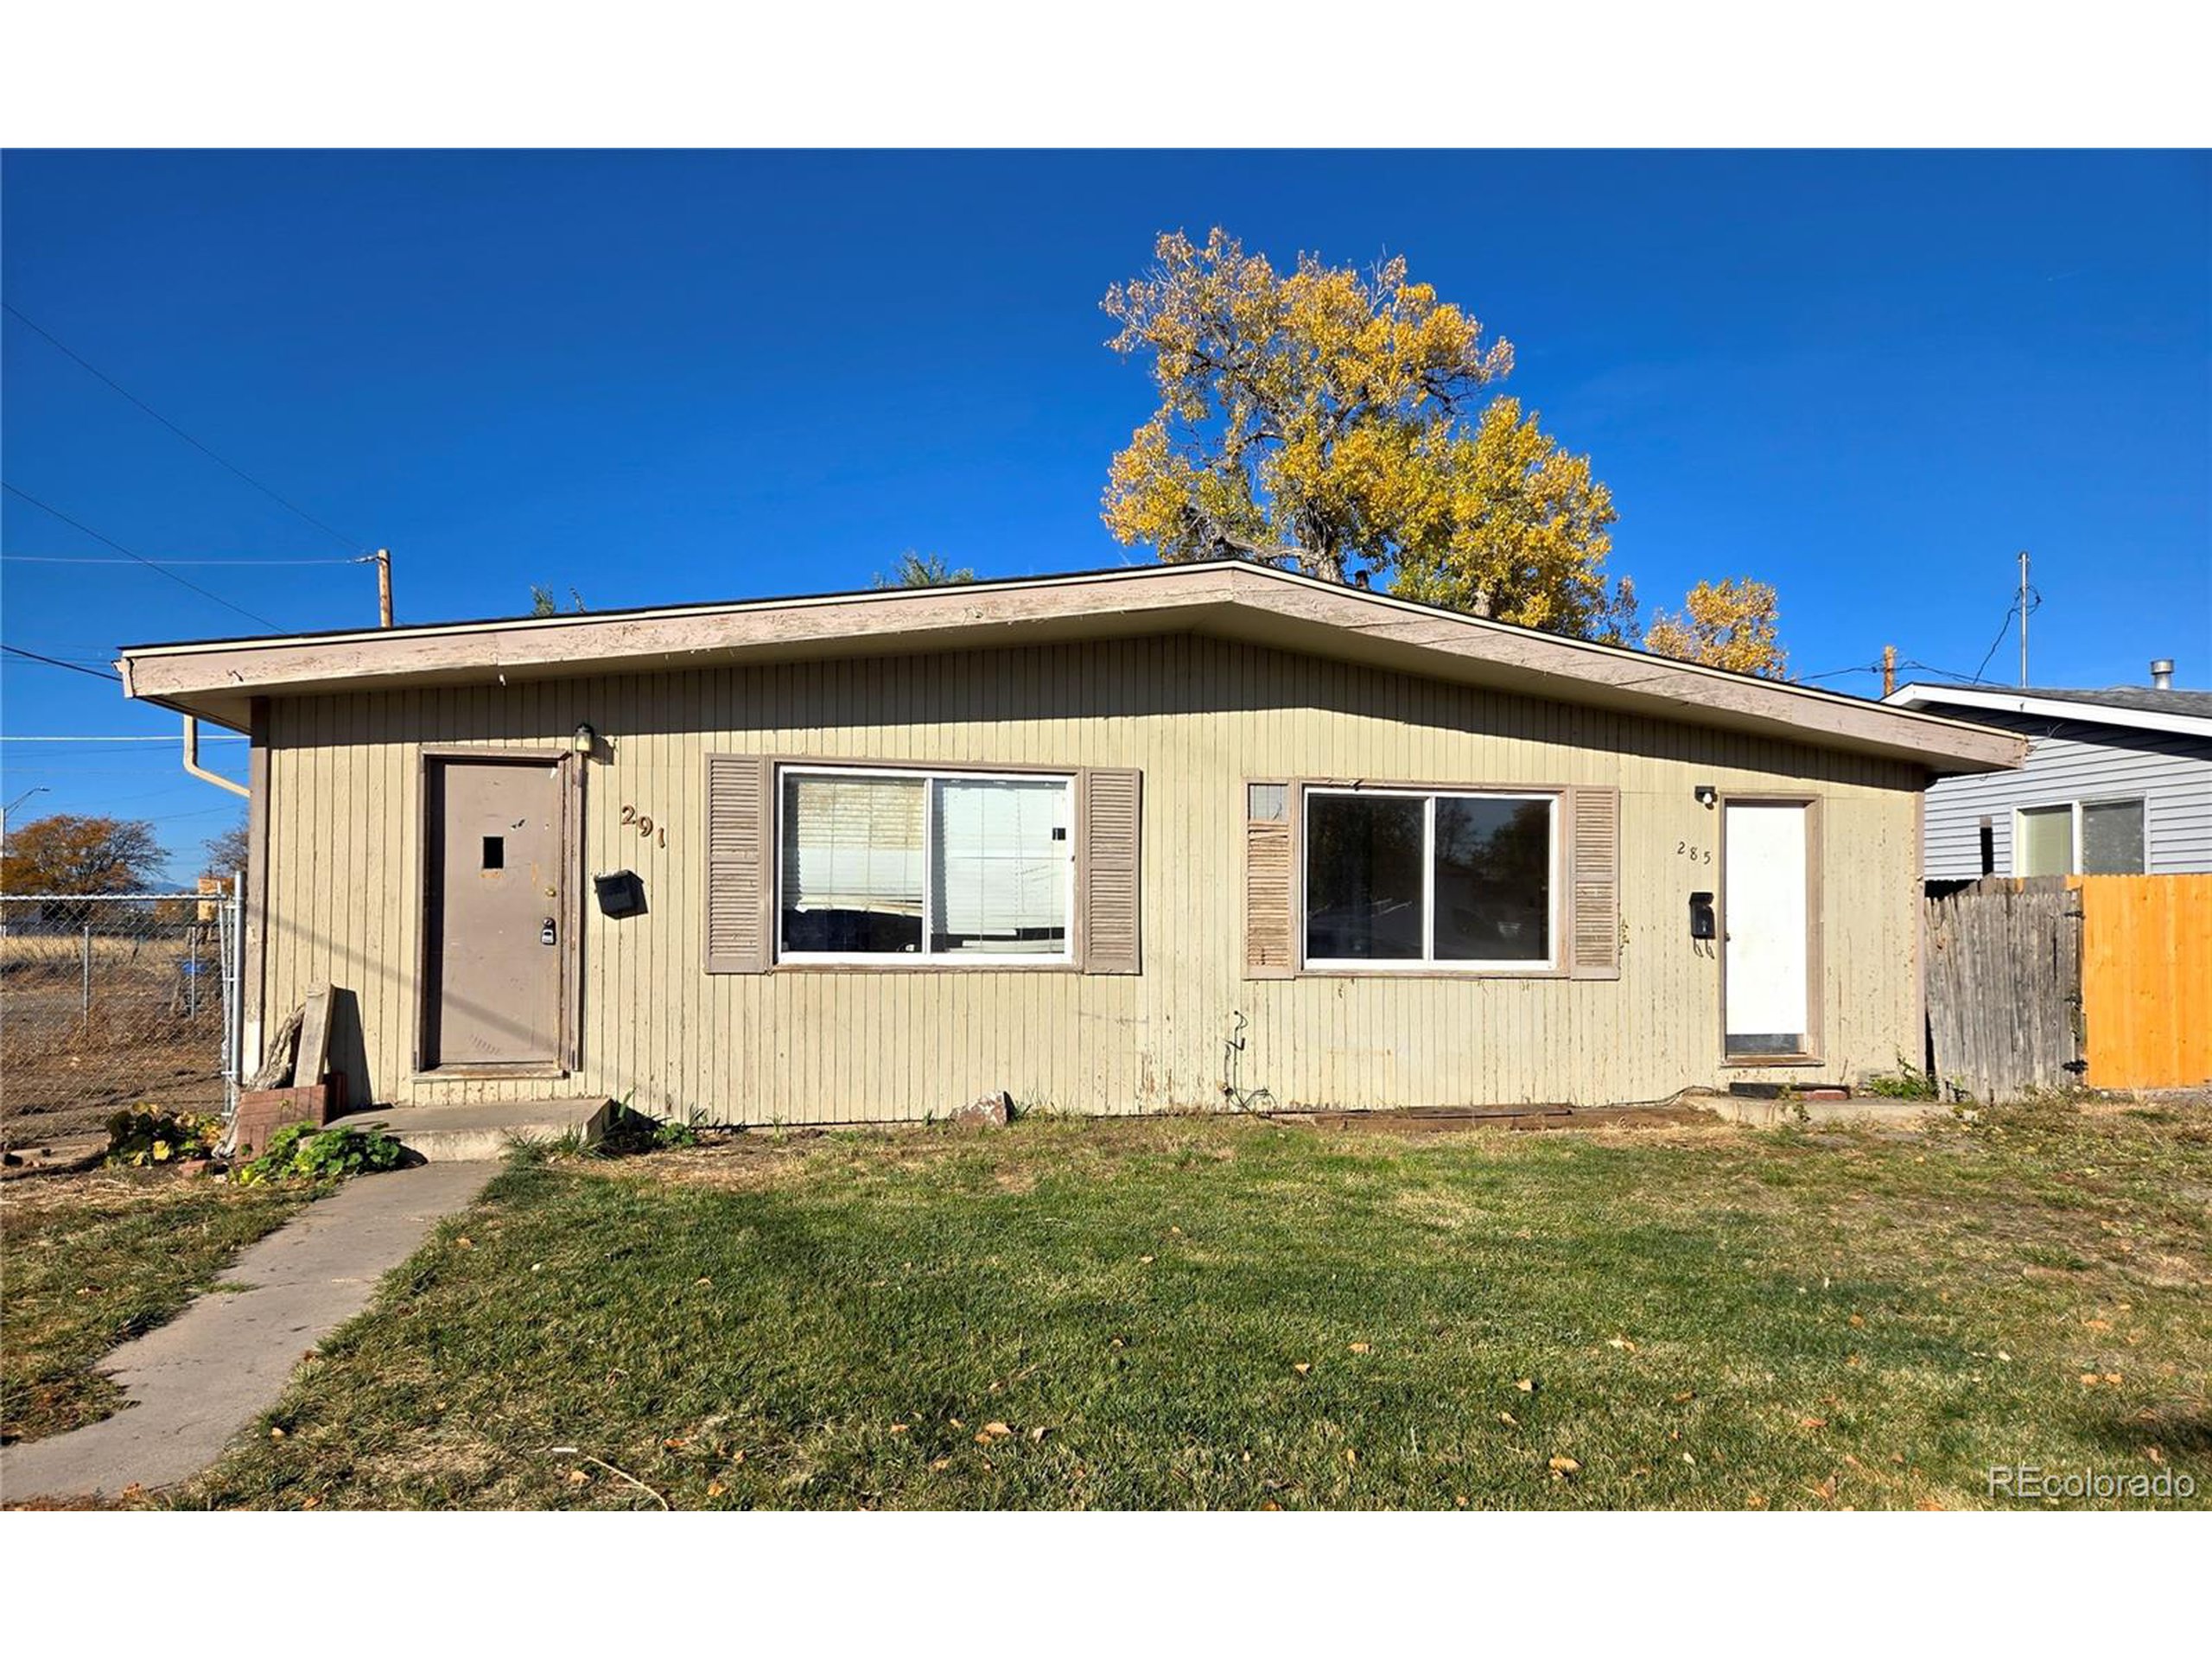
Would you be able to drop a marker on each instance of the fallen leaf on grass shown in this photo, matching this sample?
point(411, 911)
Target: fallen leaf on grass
point(463, 1244)
point(940, 1466)
point(716, 1489)
point(1143, 1259)
point(1363, 1347)
point(1301, 1366)
point(898, 1428)
point(1351, 1456)
point(1564, 1467)
point(578, 1477)
point(1508, 1419)
point(1811, 1423)
point(1527, 1385)
point(1621, 1342)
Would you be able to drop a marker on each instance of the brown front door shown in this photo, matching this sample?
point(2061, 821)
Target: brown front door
point(497, 913)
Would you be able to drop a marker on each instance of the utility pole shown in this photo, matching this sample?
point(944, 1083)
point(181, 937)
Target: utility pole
point(2024, 619)
point(1888, 670)
point(383, 587)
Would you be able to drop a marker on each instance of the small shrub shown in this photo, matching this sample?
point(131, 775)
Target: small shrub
point(299, 1153)
point(145, 1135)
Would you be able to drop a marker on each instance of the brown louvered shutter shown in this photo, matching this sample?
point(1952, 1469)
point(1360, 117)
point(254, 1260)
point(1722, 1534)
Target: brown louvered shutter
point(1112, 814)
point(1270, 925)
point(740, 819)
point(1594, 884)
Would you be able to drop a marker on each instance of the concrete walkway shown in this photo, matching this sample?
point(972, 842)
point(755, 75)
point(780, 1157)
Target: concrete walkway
point(197, 1380)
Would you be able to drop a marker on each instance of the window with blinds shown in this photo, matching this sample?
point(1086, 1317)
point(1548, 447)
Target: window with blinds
point(966, 865)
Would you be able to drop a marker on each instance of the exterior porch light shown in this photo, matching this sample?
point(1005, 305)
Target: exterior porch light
point(1705, 794)
point(585, 740)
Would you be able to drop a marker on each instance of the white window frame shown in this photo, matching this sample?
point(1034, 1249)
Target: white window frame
point(2075, 828)
point(1428, 961)
point(928, 776)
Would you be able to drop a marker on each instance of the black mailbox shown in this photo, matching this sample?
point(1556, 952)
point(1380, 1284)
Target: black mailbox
point(1702, 916)
point(619, 894)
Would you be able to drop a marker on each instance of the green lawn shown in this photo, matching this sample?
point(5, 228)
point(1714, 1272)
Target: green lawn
point(1225, 1312)
point(89, 1261)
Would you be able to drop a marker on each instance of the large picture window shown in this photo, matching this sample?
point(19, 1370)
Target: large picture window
point(1399, 878)
point(960, 866)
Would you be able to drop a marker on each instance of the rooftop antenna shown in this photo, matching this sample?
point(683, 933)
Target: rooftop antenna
point(2024, 619)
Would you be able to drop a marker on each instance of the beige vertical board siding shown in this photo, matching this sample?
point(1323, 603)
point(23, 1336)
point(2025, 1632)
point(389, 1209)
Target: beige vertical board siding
point(1197, 716)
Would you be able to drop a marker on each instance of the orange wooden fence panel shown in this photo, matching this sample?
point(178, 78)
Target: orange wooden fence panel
point(2146, 980)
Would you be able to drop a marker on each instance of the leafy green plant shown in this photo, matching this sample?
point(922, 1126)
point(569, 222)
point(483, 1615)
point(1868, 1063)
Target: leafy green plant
point(299, 1152)
point(632, 1131)
point(145, 1134)
point(1906, 1083)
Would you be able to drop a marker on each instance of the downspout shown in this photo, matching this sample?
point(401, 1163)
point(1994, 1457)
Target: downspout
point(192, 760)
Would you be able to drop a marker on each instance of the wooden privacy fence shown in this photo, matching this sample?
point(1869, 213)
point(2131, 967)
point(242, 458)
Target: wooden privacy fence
point(2146, 980)
point(2004, 965)
point(2103, 980)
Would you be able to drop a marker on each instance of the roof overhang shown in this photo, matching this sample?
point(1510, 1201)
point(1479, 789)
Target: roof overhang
point(2079, 710)
point(218, 680)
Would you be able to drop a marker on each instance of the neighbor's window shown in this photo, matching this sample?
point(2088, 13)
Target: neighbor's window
point(2079, 838)
point(1395, 878)
point(877, 864)
point(2112, 838)
point(2045, 841)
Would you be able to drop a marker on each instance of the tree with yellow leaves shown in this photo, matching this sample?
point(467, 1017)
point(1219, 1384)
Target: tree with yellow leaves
point(1320, 420)
point(1728, 624)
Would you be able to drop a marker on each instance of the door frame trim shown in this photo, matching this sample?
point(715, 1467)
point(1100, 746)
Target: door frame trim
point(568, 1023)
point(1815, 954)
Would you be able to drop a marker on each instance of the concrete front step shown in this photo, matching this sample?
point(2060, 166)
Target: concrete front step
point(483, 1131)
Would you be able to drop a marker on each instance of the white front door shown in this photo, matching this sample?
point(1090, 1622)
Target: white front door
point(1764, 911)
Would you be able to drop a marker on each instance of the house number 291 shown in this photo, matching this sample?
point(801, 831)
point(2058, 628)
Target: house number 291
point(646, 829)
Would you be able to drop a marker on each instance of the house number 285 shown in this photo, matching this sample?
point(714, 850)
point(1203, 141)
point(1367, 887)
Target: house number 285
point(646, 829)
point(1695, 855)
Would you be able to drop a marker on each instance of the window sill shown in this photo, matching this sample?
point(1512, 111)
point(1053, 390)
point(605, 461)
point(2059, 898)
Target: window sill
point(491, 1070)
point(1346, 971)
point(926, 965)
point(1750, 1062)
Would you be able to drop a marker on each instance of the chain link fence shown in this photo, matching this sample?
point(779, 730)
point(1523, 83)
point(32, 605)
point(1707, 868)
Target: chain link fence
point(109, 999)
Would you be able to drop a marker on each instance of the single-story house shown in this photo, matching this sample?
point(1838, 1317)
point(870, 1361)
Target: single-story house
point(1153, 838)
point(2117, 782)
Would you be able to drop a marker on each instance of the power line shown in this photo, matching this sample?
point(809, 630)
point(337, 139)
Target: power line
point(2012, 609)
point(45, 558)
point(206, 737)
point(292, 507)
point(111, 542)
point(55, 662)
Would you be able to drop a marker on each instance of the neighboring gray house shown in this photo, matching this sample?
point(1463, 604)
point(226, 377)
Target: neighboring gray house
point(2118, 782)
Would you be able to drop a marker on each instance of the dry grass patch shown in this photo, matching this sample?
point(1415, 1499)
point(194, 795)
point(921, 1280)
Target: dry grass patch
point(95, 1259)
point(1193, 1313)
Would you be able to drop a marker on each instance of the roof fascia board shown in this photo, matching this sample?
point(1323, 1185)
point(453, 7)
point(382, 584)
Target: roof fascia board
point(205, 676)
point(2082, 713)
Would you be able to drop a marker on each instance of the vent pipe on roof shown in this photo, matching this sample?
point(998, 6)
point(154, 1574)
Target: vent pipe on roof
point(2162, 674)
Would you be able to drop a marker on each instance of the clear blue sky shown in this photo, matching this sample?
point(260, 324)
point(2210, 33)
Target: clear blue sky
point(1868, 378)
